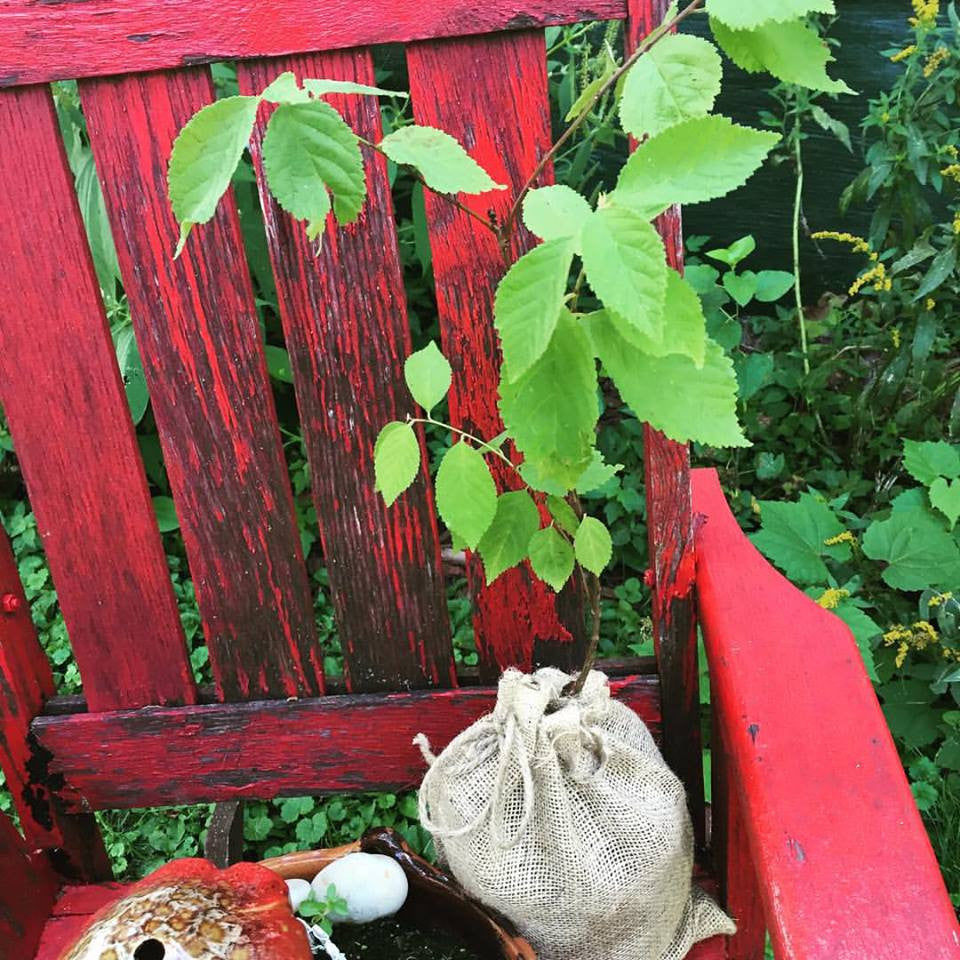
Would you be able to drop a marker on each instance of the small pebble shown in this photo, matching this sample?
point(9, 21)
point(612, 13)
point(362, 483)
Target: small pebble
point(298, 891)
point(372, 884)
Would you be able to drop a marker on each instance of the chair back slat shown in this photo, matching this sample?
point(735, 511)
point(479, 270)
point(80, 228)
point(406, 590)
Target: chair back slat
point(491, 93)
point(345, 320)
point(62, 394)
point(197, 328)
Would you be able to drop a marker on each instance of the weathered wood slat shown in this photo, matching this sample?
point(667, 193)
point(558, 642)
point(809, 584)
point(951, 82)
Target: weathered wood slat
point(26, 895)
point(61, 392)
point(490, 93)
point(197, 328)
point(26, 682)
point(80, 38)
point(842, 857)
point(71, 914)
point(275, 748)
point(345, 322)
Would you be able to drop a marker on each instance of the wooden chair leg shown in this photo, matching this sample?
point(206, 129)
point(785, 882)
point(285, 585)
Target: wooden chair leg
point(739, 891)
point(224, 843)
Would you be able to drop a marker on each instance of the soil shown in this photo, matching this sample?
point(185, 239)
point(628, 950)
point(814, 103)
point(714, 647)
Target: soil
point(391, 939)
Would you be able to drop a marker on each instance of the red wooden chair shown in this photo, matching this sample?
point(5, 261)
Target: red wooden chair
point(815, 837)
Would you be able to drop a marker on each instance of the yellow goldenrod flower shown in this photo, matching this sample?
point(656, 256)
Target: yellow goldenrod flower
point(956, 222)
point(876, 275)
point(895, 338)
point(939, 598)
point(952, 172)
point(918, 636)
point(926, 13)
point(935, 61)
point(831, 597)
point(951, 151)
point(884, 117)
point(897, 57)
point(845, 537)
point(858, 244)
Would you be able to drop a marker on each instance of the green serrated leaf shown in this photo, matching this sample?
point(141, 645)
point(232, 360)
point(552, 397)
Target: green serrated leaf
point(551, 411)
point(528, 301)
point(926, 460)
point(506, 541)
point(794, 537)
point(597, 474)
point(671, 393)
point(556, 213)
point(691, 162)
point(322, 87)
point(744, 15)
point(791, 51)
point(551, 557)
point(428, 376)
point(444, 164)
point(285, 89)
point(625, 262)
point(204, 158)
point(945, 496)
point(592, 545)
point(918, 552)
point(466, 493)
point(307, 150)
point(864, 630)
point(396, 459)
point(563, 514)
point(675, 80)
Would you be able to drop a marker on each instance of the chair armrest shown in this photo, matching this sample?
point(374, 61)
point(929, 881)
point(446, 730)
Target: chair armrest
point(844, 864)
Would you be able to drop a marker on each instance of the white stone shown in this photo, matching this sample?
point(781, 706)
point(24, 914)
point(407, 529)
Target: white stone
point(373, 885)
point(298, 891)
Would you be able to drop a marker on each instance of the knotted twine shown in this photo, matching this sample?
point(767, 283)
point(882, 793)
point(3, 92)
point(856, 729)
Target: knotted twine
point(560, 813)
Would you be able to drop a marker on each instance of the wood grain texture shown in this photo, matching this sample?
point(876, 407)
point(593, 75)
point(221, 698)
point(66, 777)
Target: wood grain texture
point(491, 94)
point(71, 913)
point(345, 323)
point(670, 538)
point(27, 893)
point(72, 842)
point(197, 754)
point(845, 867)
point(62, 39)
point(199, 337)
point(61, 392)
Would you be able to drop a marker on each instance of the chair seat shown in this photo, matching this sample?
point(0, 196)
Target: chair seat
point(77, 903)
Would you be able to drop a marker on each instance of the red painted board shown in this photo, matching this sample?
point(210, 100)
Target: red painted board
point(345, 323)
point(27, 893)
point(845, 867)
point(80, 38)
point(199, 337)
point(354, 742)
point(71, 914)
point(26, 682)
point(491, 94)
point(61, 392)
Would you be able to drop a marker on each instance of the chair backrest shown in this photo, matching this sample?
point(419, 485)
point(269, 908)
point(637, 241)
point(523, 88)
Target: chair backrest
point(477, 70)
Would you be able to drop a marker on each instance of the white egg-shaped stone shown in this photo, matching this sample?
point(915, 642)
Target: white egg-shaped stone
point(373, 886)
point(298, 891)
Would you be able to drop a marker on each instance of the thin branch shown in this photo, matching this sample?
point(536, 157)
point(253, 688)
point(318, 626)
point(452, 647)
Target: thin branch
point(481, 444)
point(651, 40)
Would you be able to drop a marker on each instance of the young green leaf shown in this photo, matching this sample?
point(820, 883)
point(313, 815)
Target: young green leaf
point(428, 375)
point(684, 326)
point(597, 474)
point(625, 261)
point(737, 251)
point(945, 497)
point(592, 545)
point(702, 402)
point(285, 89)
point(791, 51)
point(926, 460)
point(466, 493)
point(204, 157)
point(444, 164)
point(307, 150)
point(396, 460)
point(747, 16)
point(919, 553)
point(551, 411)
point(556, 213)
point(527, 303)
point(506, 541)
point(741, 286)
point(677, 79)
point(691, 162)
point(563, 513)
point(321, 87)
point(551, 557)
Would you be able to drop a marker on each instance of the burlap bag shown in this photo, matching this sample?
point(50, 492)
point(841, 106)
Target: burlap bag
point(561, 814)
